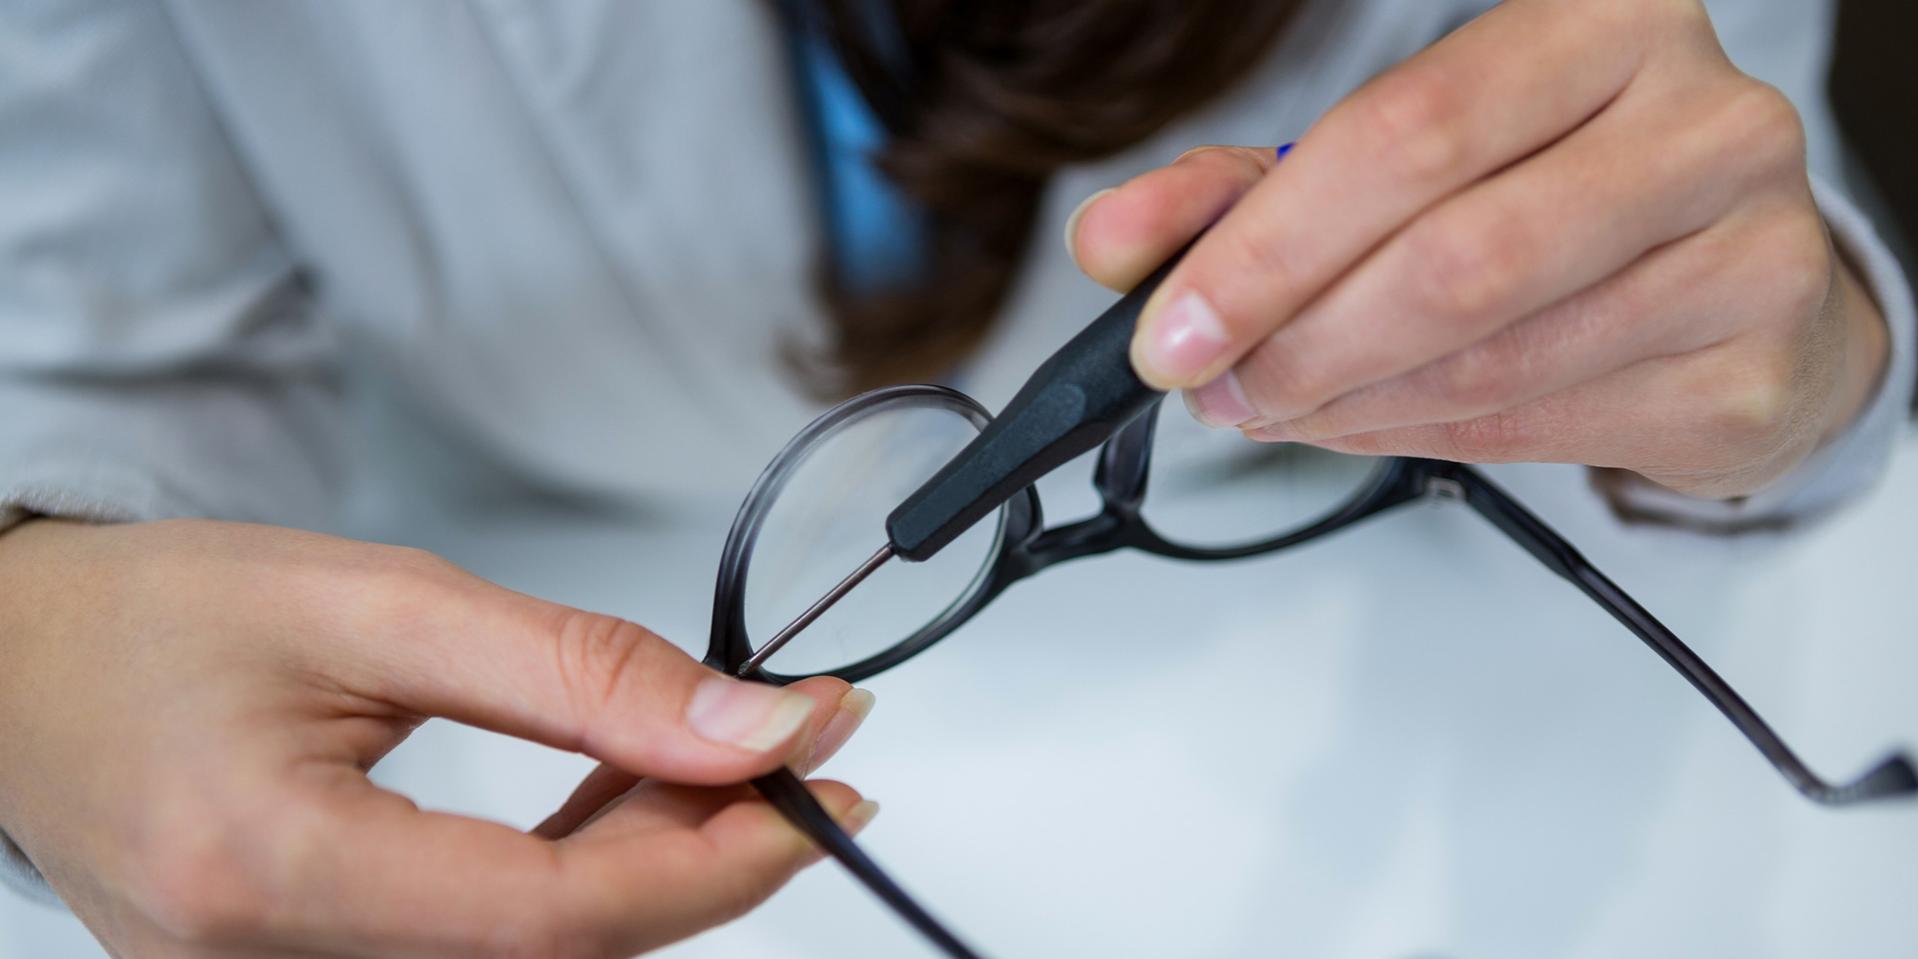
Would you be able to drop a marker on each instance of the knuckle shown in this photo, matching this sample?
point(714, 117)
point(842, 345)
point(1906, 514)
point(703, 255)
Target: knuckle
point(1475, 380)
point(1257, 253)
point(416, 560)
point(1275, 381)
point(1411, 121)
point(197, 891)
point(1762, 123)
point(1494, 438)
point(1756, 397)
point(597, 656)
point(1799, 265)
point(400, 585)
point(416, 567)
point(1460, 273)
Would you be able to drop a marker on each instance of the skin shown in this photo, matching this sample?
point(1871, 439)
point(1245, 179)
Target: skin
point(191, 708)
point(1569, 232)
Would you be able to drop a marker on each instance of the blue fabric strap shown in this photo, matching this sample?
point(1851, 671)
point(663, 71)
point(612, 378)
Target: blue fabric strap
point(878, 235)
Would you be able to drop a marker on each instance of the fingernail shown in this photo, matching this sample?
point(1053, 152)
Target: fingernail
point(1072, 222)
point(1283, 149)
point(1220, 403)
point(1182, 341)
point(853, 709)
point(751, 716)
point(858, 817)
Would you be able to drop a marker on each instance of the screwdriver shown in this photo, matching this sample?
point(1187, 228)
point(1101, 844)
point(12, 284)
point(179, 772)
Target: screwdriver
point(1077, 399)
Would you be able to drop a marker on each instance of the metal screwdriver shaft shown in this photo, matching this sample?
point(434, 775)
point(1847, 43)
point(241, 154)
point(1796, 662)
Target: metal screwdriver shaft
point(816, 610)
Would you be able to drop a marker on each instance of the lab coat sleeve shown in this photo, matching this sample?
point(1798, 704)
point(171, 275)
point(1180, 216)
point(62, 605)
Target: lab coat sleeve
point(158, 353)
point(1787, 43)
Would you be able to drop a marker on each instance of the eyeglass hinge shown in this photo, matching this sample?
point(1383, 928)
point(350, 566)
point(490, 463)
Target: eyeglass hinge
point(1444, 487)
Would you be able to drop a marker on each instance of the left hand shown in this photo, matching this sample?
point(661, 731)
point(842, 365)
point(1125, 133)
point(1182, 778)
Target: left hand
point(190, 710)
point(1568, 232)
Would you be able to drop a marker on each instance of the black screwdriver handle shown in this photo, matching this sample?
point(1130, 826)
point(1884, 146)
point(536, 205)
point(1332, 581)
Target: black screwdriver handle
point(1076, 400)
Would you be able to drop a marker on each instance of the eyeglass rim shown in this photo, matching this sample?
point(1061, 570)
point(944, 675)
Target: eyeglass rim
point(730, 646)
point(1122, 481)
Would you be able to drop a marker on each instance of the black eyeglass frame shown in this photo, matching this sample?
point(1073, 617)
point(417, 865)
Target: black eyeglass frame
point(1025, 546)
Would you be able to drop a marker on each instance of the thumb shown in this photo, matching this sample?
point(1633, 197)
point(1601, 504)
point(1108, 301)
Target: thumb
point(1119, 236)
point(441, 642)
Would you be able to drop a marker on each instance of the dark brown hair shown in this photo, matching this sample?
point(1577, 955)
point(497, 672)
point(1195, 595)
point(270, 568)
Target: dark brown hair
point(983, 100)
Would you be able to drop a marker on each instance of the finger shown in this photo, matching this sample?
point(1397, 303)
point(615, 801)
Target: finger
point(608, 782)
point(652, 805)
point(1679, 298)
point(601, 787)
point(372, 875)
point(851, 713)
point(362, 871)
point(724, 855)
point(433, 639)
point(1118, 236)
point(1694, 421)
point(838, 713)
point(1557, 223)
point(1545, 430)
point(1499, 89)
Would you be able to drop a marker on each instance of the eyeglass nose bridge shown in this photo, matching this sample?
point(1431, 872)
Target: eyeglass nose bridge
point(1119, 475)
point(1101, 533)
point(1125, 462)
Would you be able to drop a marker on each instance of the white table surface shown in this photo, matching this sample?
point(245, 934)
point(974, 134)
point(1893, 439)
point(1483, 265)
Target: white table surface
point(1405, 742)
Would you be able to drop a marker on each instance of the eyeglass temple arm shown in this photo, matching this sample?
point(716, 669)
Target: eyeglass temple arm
point(790, 796)
point(1894, 776)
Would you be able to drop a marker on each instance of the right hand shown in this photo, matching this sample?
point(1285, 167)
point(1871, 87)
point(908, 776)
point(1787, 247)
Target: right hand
point(188, 710)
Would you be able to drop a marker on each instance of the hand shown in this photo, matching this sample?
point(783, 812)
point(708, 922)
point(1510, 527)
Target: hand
point(190, 710)
point(1569, 232)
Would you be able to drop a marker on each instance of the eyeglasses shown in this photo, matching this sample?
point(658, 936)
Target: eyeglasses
point(1213, 498)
